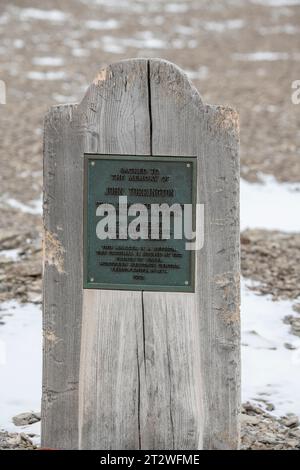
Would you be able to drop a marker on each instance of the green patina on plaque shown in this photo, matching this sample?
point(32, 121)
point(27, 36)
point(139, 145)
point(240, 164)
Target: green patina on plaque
point(141, 264)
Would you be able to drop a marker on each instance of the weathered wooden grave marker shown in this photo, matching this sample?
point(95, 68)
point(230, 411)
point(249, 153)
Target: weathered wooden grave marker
point(152, 362)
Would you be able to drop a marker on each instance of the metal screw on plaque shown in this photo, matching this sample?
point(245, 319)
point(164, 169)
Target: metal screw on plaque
point(118, 347)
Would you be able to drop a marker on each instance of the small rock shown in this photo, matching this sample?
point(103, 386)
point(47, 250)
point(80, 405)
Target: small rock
point(25, 438)
point(269, 439)
point(9, 239)
point(23, 419)
point(295, 433)
point(289, 346)
point(296, 307)
point(5, 260)
point(29, 268)
point(249, 407)
point(34, 297)
point(15, 441)
point(270, 407)
point(248, 419)
point(292, 442)
point(261, 431)
point(291, 421)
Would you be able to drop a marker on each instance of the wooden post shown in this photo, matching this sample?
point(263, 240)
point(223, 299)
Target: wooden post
point(134, 369)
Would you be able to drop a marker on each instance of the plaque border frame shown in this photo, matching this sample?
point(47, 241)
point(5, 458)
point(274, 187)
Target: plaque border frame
point(140, 287)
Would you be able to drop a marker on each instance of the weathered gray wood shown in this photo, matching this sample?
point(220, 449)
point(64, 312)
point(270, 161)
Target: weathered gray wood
point(112, 118)
point(112, 343)
point(110, 370)
point(219, 276)
point(157, 370)
point(172, 323)
point(173, 417)
point(62, 279)
point(181, 125)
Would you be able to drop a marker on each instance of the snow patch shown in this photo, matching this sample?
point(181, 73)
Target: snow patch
point(270, 371)
point(176, 7)
point(80, 52)
point(262, 56)
point(64, 99)
point(111, 46)
point(285, 29)
point(57, 75)
point(20, 363)
point(184, 30)
point(127, 5)
point(149, 21)
point(18, 43)
point(221, 26)
point(11, 254)
point(4, 19)
point(201, 74)
point(97, 24)
point(277, 3)
point(56, 16)
point(48, 61)
point(34, 207)
point(270, 205)
point(142, 40)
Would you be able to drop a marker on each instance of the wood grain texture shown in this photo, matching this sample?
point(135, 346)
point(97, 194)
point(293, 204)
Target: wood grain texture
point(112, 118)
point(174, 387)
point(218, 272)
point(182, 125)
point(110, 370)
point(157, 370)
point(112, 344)
point(173, 415)
point(62, 282)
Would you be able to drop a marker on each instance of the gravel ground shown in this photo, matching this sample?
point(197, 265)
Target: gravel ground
point(262, 431)
point(272, 259)
point(15, 441)
point(259, 431)
point(244, 54)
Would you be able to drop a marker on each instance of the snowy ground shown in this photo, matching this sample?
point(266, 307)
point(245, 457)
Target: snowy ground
point(270, 368)
point(20, 363)
point(270, 353)
point(270, 205)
